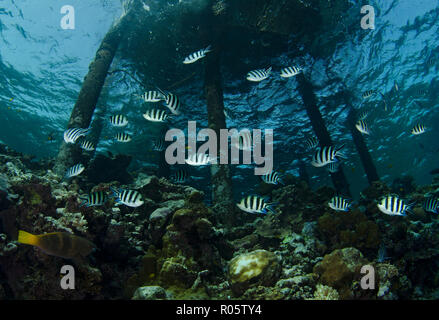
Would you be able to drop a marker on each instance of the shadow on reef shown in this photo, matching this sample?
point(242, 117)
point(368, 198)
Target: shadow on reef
point(172, 247)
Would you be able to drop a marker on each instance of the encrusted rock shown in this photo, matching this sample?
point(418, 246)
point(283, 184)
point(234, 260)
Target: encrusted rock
point(259, 267)
point(340, 268)
point(149, 293)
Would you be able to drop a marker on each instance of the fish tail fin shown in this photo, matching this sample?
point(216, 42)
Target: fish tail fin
point(163, 93)
point(268, 70)
point(208, 48)
point(27, 238)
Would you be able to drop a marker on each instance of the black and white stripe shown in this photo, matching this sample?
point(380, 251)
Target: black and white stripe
point(152, 96)
point(431, 205)
point(130, 198)
point(255, 204)
point(122, 137)
point(96, 198)
point(393, 205)
point(156, 115)
point(87, 145)
point(259, 74)
point(196, 55)
point(73, 134)
point(118, 120)
point(172, 103)
point(338, 203)
point(75, 170)
point(290, 72)
point(326, 155)
point(272, 178)
point(198, 159)
point(418, 129)
point(362, 126)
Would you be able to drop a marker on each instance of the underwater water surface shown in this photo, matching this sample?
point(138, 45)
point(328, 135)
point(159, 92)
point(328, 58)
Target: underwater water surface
point(84, 170)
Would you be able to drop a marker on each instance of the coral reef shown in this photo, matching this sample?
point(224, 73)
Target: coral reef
point(173, 246)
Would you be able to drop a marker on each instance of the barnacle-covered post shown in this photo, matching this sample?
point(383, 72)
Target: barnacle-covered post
point(363, 151)
point(309, 99)
point(221, 177)
point(83, 110)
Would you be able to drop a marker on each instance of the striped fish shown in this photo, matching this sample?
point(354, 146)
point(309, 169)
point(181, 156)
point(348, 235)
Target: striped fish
point(368, 94)
point(259, 75)
point(122, 137)
point(76, 170)
point(156, 115)
point(152, 96)
point(338, 203)
point(272, 178)
point(130, 198)
point(73, 134)
point(290, 72)
point(196, 55)
point(393, 205)
point(87, 145)
point(255, 204)
point(361, 126)
point(96, 198)
point(326, 155)
point(418, 129)
point(180, 176)
point(198, 159)
point(172, 102)
point(312, 143)
point(431, 205)
point(333, 167)
point(118, 120)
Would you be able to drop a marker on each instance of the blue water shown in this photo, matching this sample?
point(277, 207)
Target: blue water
point(42, 67)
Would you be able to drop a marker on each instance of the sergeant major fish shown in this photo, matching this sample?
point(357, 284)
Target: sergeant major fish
point(118, 120)
point(156, 115)
point(152, 96)
point(75, 170)
point(172, 102)
point(73, 134)
point(193, 57)
point(290, 72)
point(96, 198)
point(362, 126)
point(393, 205)
point(418, 129)
point(431, 205)
point(338, 203)
point(255, 204)
point(326, 155)
point(87, 145)
point(259, 74)
point(130, 198)
point(122, 137)
point(272, 178)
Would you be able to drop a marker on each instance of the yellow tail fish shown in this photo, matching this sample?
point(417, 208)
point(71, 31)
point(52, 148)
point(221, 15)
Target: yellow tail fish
point(60, 244)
